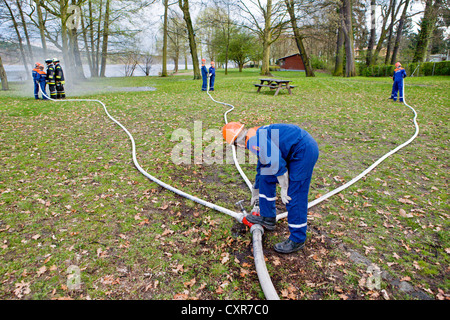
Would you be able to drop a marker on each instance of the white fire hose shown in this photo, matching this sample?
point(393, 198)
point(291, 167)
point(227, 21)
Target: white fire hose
point(257, 232)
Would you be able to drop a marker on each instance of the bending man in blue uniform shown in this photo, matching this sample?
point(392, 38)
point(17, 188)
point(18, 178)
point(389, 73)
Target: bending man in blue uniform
point(286, 155)
point(399, 74)
point(204, 76)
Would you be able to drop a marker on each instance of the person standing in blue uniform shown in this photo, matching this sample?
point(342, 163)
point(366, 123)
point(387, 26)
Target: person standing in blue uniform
point(43, 81)
point(39, 77)
point(212, 76)
point(397, 87)
point(286, 155)
point(204, 76)
point(36, 78)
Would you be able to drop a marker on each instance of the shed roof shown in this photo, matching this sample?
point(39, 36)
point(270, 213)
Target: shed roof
point(295, 54)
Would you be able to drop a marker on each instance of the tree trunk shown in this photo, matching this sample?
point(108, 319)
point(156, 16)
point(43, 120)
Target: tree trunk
point(391, 31)
point(3, 77)
point(227, 48)
point(41, 26)
point(97, 46)
point(184, 6)
point(427, 26)
point(265, 67)
point(73, 44)
point(350, 67)
point(164, 51)
point(25, 31)
point(64, 35)
point(339, 64)
point(382, 36)
point(372, 32)
point(299, 39)
point(86, 45)
point(399, 32)
point(105, 40)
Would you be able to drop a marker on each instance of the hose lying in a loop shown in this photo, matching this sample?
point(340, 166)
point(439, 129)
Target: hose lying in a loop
point(266, 283)
point(365, 172)
point(237, 215)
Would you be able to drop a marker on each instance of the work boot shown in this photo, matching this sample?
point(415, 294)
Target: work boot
point(288, 246)
point(268, 223)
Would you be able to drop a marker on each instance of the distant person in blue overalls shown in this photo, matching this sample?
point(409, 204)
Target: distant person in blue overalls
point(39, 76)
point(397, 87)
point(204, 76)
point(286, 155)
point(212, 76)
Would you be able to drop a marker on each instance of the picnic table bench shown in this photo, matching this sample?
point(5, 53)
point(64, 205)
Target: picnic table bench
point(273, 84)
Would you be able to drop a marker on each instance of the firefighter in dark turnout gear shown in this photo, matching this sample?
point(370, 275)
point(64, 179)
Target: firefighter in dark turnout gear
point(59, 77)
point(51, 78)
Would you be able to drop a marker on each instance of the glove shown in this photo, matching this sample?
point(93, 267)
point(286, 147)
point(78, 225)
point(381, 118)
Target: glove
point(255, 195)
point(284, 184)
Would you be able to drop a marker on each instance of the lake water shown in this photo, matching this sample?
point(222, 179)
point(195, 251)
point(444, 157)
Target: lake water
point(18, 73)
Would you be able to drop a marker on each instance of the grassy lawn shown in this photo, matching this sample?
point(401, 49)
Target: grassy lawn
point(71, 200)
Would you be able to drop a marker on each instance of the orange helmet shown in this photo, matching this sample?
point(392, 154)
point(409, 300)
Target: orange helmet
point(231, 130)
point(398, 64)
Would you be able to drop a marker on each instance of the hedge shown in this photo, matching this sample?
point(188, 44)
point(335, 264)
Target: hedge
point(425, 69)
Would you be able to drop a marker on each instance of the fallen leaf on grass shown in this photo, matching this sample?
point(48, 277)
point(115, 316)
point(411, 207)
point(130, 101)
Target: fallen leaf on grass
point(276, 261)
point(244, 272)
point(179, 268)
point(41, 271)
point(109, 279)
point(22, 289)
point(404, 214)
point(226, 257)
point(180, 296)
point(6, 228)
point(407, 278)
point(190, 283)
point(406, 201)
point(101, 253)
point(166, 232)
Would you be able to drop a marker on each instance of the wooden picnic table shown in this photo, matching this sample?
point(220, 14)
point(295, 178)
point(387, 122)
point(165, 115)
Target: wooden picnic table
point(273, 84)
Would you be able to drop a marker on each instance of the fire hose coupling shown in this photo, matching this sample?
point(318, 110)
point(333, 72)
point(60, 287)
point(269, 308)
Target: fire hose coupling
point(257, 227)
point(255, 212)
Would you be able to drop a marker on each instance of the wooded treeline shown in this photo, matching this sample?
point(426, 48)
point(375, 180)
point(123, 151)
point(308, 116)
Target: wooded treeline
point(333, 34)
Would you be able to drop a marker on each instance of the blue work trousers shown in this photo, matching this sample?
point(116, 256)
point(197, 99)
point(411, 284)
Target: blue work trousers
point(305, 158)
point(397, 87)
point(36, 89)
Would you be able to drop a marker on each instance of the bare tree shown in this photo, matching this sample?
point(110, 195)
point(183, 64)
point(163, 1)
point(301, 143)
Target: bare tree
point(427, 25)
point(299, 38)
point(268, 21)
point(184, 6)
point(399, 32)
point(372, 32)
point(145, 62)
point(12, 16)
